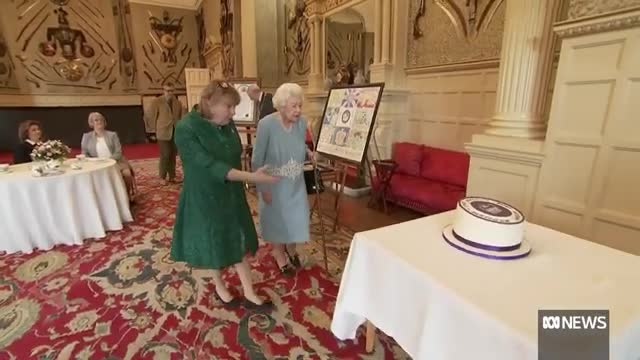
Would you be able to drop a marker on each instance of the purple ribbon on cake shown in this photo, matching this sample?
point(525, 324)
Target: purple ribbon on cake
point(484, 246)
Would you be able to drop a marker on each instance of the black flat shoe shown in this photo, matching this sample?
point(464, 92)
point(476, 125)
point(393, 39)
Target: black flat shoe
point(233, 303)
point(266, 305)
point(288, 270)
point(294, 260)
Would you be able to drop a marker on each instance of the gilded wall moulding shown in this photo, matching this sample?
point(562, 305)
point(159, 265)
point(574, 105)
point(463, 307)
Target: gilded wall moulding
point(584, 8)
point(448, 32)
point(313, 7)
point(598, 25)
point(317, 7)
point(469, 17)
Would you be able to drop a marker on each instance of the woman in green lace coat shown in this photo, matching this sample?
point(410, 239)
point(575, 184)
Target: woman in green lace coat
point(214, 228)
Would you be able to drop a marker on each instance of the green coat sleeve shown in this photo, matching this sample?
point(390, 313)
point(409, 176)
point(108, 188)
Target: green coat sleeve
point(190, 148)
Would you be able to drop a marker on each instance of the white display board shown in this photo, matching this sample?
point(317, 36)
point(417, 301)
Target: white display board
point(246, 111)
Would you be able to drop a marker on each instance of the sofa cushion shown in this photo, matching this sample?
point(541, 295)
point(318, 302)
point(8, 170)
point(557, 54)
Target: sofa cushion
point(447, 166)
point(408, 156)
point(434, 194)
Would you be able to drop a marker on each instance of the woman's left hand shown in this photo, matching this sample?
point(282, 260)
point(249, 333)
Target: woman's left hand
point(312, 156)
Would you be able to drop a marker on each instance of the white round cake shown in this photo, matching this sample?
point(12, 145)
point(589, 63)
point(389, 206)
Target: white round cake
point(488, 228)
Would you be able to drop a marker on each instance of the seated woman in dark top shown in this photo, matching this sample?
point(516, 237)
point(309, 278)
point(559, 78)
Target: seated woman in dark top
point(30, 134)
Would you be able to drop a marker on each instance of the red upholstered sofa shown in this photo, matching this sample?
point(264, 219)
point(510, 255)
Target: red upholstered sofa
point(427, 179)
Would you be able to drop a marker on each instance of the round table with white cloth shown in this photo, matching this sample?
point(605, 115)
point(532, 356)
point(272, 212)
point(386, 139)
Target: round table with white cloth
point(41, 212)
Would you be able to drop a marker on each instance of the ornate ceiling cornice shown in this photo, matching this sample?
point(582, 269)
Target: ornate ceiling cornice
point(609, 22)
point(179, 4)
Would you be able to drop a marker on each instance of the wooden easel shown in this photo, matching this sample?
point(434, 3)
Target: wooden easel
point(336, 173)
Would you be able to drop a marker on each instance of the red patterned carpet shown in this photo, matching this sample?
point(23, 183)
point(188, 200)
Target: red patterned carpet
point(122, 298)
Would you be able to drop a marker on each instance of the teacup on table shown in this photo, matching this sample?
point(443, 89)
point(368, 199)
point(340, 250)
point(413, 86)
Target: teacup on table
point(4, 168)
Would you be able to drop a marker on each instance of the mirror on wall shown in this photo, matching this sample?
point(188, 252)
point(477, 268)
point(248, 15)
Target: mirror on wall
point(349, 45)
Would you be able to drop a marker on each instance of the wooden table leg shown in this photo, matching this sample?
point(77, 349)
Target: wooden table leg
point(370, 337)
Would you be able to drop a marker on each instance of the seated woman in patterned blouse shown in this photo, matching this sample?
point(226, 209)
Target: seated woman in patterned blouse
point(102, 143)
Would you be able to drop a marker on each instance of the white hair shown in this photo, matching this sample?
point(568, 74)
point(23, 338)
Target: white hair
point(285, 92)
point(95, 116)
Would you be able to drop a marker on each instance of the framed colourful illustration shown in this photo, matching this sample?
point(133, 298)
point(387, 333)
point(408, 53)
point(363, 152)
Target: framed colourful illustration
point(348, 122)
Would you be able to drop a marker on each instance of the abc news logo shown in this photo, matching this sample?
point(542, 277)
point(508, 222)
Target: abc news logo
point(573, 335)
point(576, 322)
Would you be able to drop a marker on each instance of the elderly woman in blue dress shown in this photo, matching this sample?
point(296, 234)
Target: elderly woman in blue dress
point(284, 207)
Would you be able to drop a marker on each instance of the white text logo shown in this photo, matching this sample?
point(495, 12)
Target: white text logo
point(574, 322)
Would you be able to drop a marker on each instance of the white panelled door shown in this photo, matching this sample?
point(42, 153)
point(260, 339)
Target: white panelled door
point(196, 80)
point(589, 179)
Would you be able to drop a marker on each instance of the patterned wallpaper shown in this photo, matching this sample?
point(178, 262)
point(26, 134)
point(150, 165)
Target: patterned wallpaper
point(454, 31)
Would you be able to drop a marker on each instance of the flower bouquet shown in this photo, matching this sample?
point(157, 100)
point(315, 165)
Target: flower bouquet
point(50, 155)
point(50, 150)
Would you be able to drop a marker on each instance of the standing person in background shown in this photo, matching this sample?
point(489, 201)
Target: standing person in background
point(263, 100)
point(214, 228)
point(284, 207)
point(164, 113)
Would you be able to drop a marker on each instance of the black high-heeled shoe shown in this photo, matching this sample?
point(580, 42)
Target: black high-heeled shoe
point(233, 303)
point(288, 270)
point(294, 260)
point(266, 305)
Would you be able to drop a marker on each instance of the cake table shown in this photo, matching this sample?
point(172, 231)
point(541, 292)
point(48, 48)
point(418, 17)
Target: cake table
point(441, 303)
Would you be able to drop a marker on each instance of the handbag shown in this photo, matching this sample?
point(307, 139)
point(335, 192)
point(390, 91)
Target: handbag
point(310, 180)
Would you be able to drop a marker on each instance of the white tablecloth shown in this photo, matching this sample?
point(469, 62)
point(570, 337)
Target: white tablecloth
point(440, 303)
point(41, 212)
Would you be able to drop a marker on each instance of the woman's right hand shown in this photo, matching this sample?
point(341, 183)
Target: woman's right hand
point(261, 176)
point(266, 196)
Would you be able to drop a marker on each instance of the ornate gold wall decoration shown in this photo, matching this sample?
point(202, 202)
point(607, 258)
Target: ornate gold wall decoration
point(227, 36)
point(63, 46)
point(8, 81)
point(604, 24)
point(166, 43)
point(420, 12)
point(213, 57)
point(202, 36)
point(345, 49)
point(93, 47)
point(469, 17)
point(122, 14)
point(323, 6)
point(456, 32)
point(297, 39)
point(583, 8)
point(165, 33)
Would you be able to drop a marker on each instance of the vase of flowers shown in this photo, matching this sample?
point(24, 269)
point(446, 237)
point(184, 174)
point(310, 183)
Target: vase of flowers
point(52, 152)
